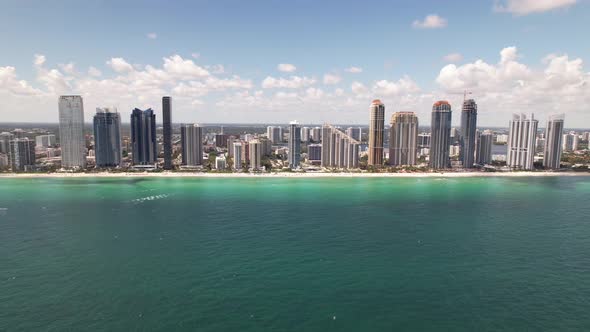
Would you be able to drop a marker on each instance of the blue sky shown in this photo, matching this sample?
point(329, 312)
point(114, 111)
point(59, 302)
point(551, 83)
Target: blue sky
point(250, 38)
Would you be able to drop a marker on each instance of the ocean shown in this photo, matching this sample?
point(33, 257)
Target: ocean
point(295, 254)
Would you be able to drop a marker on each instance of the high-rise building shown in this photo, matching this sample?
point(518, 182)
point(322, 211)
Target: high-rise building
point(440, 139)
point(338, 149)
point(570, 142)
point(221, 140)
point(220, 163)
point(274, 134)
point(45, 141)
point(255, 155)
point(22, 154)
point(354, 132)
point(5, 139)
point(246, 152)
point(314, 153)
point(305, 134)
point(191, 138)
point(376, 129)
point(484, 147)
point(71, 132)
point(237, 155)
point(167, 131)
point(107, 137)
point(467, 136)
point(521, 142)
point(403, 139)
point(294, 144)
point(424, 140)
point(143, 137)
point(553, 137)
point(316, 134)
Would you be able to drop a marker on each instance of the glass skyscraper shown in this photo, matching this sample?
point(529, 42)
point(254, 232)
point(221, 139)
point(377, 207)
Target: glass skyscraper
point(71, 132)
point(440, 138)
point(107, 137)
point(143, 137)
point(468, 129)
point(167, 128)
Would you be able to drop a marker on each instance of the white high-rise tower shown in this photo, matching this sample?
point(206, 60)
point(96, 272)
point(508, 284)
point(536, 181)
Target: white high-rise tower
point(71, 132)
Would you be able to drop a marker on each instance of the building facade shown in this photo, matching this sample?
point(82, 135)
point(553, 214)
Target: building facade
point(553, 144)
point(191, 140)
point(440, 138)
point(237, 155)
point(467, 137)
point(485, 142)
point(274, 134)
point(22, 154)
point(376, 131)
point(403, 139)
point(167, 131)
point(107, 137)
point(294, 145)
point(143, 137)
point(255, 155)
point(71, 132)
point(522, 133)
point(338, 150)
point(354, 132)
point(45, 141)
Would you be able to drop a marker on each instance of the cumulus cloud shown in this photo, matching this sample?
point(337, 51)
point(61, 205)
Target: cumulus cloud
point(331, 79)
point(152, 35)
point(432, 21)
point(183, 68)
point(525, 7)
point(119, 65)
point(404, 85)
point(94, 72)
point(293, 82)
point(286, 67)
point(453, 57)
point(354, 70)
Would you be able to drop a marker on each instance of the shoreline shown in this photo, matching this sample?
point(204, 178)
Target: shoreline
point(289, 175)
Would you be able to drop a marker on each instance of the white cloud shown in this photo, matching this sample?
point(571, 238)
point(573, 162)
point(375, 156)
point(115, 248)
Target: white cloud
point(286, 67)
point(39, 60)
point(358, 88)
point(68, 68)
point(354, 70)
point(10, 83)
point(94, 72)
point(184, 69)
point(196, 55)
point(453, 57)
point(525, 7)
point(331, 79)
point(120, 65)
point(404, 85)
point(432, 21)
point(152, 35)
point(294, 82)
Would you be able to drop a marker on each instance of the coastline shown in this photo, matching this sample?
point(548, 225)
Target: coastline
point(290, 175)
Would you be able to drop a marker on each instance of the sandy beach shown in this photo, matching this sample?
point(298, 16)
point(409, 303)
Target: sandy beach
point(292, 175)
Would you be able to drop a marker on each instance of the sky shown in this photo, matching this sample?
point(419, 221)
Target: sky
point(273, 61)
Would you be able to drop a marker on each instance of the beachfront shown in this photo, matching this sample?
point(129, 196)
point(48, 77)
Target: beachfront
point(293, 175)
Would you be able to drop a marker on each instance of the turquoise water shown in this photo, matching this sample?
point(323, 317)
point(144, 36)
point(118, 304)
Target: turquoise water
point(305, 254)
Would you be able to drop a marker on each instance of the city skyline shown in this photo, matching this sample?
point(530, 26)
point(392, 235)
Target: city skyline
point(515, 56)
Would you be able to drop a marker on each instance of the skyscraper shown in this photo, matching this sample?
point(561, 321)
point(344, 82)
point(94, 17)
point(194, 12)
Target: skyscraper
point(294, 144)
point(521, 142)
point(305, 134)
point(274, 134)
point(5, 139)
point(237, 155)
point(143, 137)
point(255, 155)
point(570, 142)
point(45, 141)
point(107, 137)
point(314, 153)
point(403, 139)
point(376, 128)
point(71, 132)
point(316, 134)
point(22, 154)
point(553, 137)
point(191, 138)
point(484, 147)
point(354, 132)
point(468, 129)
point(338, 149)
point(167, 126)
point(440, 138)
